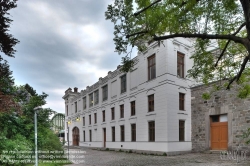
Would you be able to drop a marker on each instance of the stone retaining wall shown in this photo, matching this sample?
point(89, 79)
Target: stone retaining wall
point(221, 102)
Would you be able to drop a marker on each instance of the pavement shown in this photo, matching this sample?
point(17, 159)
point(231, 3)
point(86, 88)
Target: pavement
point(82, 156)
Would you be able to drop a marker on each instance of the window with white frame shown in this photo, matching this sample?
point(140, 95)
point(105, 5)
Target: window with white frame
point(84, 102)
point(96, 97)
point(91, 100)
point(123, 83)
point(104, 92)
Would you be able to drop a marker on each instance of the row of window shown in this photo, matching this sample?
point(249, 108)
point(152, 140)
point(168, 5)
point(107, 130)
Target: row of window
point(151, 132)
point(132, 107)
point(152, 66)
point(112, 113)
point(94, 97)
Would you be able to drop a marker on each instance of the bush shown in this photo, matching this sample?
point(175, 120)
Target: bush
point(48, 141)
point(16, 144)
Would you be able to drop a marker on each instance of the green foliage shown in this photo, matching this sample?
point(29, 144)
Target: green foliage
point(17, 143)
point(244, 91)
point(170, 16)
point(206, 96)
point(246, 135)
point(31, 91)
point(7, 41)
point(17, 131)
point(127, 64)
point(47, 140)
point(6, 79)
point(220, 29)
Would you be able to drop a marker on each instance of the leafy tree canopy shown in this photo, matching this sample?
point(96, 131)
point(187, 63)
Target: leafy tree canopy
point(221, 25)
point(7, 41)
point(7, 89)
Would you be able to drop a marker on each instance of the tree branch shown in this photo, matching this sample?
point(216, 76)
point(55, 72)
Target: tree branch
point(242, 25)
point(243, 65)
point(246, 9)
point(137, 33)
point(222, 53)
point(237, 77)
point(202, 36)
point(139, 12)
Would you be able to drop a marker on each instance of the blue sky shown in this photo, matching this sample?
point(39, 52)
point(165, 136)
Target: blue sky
point(63, 43)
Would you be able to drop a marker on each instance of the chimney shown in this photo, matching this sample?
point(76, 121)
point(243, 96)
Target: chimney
point(75, 89)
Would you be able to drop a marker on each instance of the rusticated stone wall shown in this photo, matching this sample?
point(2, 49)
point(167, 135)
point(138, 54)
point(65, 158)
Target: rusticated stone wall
point(221, 102)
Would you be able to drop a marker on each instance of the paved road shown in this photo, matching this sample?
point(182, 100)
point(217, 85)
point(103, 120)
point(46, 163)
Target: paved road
point(89, 157)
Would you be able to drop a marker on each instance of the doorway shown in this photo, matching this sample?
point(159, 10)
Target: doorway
point(75, 135)
point(219, 132)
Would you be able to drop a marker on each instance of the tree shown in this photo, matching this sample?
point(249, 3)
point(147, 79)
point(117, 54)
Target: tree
point(7, 41)
point(224, 24)
point(7, 90)
point(17, 130)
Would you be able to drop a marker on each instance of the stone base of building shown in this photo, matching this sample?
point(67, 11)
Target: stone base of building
point(150, 148)
point(146, 152)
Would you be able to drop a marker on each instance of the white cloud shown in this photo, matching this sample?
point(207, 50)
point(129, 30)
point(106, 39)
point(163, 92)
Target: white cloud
point(62, 44)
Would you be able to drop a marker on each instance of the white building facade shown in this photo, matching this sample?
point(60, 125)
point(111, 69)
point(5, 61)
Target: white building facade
point(147, 109)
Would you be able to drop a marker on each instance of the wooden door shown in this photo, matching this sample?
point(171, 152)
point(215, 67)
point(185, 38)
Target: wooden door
point(75, 135)
point(219, 135)
point(104, 137)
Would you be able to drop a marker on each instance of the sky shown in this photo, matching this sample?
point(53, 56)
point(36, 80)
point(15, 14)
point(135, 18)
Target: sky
point(63, 43)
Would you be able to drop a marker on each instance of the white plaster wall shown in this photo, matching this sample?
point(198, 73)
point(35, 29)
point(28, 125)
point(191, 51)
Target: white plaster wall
point(165, 87)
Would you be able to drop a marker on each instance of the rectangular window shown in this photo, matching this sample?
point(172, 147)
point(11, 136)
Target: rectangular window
point(67, 110)
point(113, 134)
point(151, 67)
point(103, 116)
point(75, 107)
point(133, 132)
point(91, 100)
point(90, 119)
point(123, 83)
point(151, 131)
point(180, 64)
point(181, 130)
point(84, 100)
point(121, 111)
point(95, 116)
point(96, 95)
point(181, 101)
point(90, 136)
point(150, 103)
point(113, 113)
point(132, 108)
point(83, 121)
point(84, 136)
point(122, 134)
point(105, 93)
